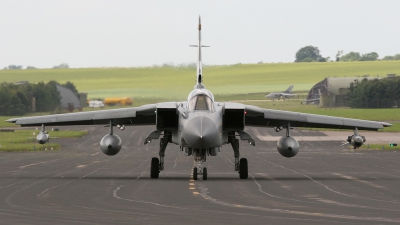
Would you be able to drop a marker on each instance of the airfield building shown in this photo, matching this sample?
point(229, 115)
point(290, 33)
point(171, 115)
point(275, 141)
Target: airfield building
point(69, 100)
point(334, 90)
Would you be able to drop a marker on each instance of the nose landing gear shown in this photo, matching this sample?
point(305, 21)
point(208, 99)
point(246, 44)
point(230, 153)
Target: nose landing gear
point(200, 157)
point(199, 170)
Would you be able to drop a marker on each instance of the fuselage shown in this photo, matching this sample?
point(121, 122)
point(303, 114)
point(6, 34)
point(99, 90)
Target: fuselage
point(201, 126)
point(279, 95)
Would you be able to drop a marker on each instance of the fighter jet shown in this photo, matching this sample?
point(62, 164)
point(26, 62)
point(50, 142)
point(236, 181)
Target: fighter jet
point(200, 126)
point(283, 95)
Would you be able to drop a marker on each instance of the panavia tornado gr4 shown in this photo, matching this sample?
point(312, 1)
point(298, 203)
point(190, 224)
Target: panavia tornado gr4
point(200, 126)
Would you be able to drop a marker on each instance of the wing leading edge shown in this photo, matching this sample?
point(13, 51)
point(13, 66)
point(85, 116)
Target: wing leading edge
point(143, 115)
point(256, 116)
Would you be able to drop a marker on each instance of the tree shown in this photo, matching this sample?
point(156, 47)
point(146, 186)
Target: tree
point(378, 89)
point(339, 53)
point(388, 57)
point(61, 66)
point(30, 68)
point(351, 56)
point(372, 56)
point(71, 86)
point(309, 54)
point(14, 67)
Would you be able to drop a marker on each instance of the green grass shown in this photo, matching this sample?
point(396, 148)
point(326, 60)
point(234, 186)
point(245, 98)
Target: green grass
point(24, 140)
point(176, 83)
point(392, 114)
point(379, 147)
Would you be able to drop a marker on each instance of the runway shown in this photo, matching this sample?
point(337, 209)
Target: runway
point(323, 184)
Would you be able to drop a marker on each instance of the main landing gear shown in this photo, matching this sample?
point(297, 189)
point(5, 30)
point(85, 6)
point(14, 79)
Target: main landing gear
point(241, 165)
point(157, 165)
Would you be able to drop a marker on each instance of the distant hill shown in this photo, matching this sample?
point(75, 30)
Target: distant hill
point(176, 82)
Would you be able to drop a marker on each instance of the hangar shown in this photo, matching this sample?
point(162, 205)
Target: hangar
point(70, 101)
point(334, 89)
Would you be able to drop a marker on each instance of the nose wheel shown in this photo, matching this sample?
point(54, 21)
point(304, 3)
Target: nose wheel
point(199, 171)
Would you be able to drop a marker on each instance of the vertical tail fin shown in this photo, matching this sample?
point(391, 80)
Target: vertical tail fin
point(199, 76)
point(289, 90)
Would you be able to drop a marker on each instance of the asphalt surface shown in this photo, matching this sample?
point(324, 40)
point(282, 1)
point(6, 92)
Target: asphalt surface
point(323, 184)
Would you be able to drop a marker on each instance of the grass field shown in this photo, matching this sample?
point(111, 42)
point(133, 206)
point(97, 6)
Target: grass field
point(24, 140)
point(176, 83)
point(379, 147)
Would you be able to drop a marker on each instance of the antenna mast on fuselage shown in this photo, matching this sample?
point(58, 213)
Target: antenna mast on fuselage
point(199, 76)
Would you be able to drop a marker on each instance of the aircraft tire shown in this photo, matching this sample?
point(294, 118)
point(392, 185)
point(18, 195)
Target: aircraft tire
point(243, 169)
point(154, 170)
point(204, 173)
point(195, 173)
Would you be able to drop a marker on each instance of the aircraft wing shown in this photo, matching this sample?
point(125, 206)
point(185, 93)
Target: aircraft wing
point(286, 94)
point(260, 117)
point(143, 115)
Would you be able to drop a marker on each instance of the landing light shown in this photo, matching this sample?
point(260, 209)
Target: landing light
point(393, 144)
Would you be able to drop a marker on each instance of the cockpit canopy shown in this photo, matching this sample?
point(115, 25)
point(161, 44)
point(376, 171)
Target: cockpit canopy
point(201, 102)
point(201, 99)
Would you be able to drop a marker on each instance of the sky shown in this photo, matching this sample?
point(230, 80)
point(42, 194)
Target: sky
point(117, 33)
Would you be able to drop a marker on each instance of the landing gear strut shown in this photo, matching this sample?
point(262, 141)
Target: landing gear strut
point(157, 165)
point(240, 164)
point(199, 158)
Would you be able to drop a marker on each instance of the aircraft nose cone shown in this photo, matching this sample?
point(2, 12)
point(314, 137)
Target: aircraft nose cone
point(200, 132)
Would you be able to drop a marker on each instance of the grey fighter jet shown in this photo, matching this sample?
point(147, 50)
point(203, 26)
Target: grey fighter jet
point(283, 95)
point(200, 126)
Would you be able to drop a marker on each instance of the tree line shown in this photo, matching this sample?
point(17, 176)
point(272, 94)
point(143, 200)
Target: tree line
point(312, 54)
point(19, 67)
point(16, 100)
point(387, 90)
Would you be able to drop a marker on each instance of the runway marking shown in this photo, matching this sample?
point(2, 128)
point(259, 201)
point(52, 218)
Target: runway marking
point(195, 192)
point(192, 188)
point(42, 194)
point(95, 154)
point(34, 164)
point(292, 212)
point(191, 183)
point(115, 195)
point(296, 200)
point(269, 194)
point(325, 186)
point(358, 180)
point(175, 163)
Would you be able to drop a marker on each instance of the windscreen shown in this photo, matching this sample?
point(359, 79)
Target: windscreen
point(201, 102)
